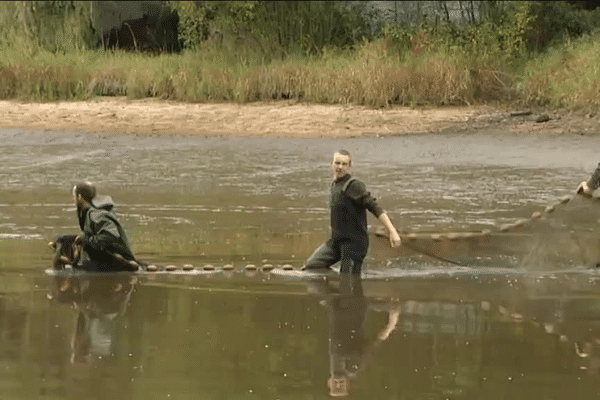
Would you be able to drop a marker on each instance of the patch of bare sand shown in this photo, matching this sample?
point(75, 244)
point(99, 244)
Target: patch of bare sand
point(158, 117)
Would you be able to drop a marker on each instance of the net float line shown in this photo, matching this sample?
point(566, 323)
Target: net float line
point(505, 228)
point(211, 268)
point(538, 216)
point(226, 267)
point(67, 262)
point(431, 244)
point(265, 268)
point(407, 238)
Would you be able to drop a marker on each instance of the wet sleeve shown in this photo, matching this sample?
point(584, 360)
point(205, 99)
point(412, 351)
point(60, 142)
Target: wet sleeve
point(357, 191)
point(594, 181)
point(104, 232)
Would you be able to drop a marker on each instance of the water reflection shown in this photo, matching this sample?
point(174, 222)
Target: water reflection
point(349, 349)
point(474, 335)
point(100, 303)
point(463, 337)
point(413, 328)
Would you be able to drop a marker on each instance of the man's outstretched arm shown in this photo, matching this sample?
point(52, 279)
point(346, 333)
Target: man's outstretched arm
point(357, 191)
point(395, 240)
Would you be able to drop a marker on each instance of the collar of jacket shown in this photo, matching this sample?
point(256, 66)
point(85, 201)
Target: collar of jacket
point(341, 180)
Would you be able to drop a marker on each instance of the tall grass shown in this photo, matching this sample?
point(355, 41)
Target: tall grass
point(363, 76)
point(372, 74)
point(567, 75)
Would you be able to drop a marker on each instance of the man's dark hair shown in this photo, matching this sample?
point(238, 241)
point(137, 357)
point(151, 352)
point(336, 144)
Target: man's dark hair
point(346, 153)
point(87, 191)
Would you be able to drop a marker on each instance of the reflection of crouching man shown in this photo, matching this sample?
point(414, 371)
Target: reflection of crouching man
point(103, 241)
point(101, 302)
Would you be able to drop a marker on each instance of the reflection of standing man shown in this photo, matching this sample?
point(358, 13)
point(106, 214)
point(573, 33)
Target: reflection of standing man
point(588, 187)
point(349, 239)
point(349, 351)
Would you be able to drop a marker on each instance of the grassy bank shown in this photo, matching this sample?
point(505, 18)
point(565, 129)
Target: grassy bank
point(372, 75)
point(567, 76)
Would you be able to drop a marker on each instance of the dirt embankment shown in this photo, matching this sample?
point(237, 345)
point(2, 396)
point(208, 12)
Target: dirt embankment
point(157, 117)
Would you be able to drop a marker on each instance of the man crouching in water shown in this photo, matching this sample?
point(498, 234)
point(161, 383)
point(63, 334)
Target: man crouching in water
point(103, 242)
point(348, 203)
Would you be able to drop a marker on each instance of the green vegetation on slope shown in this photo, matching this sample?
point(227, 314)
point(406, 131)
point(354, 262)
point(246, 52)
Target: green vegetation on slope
point(435, 62)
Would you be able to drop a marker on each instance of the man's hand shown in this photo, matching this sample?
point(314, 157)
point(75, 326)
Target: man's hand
point(584, 189)
point(394, 236)
point(395, 240)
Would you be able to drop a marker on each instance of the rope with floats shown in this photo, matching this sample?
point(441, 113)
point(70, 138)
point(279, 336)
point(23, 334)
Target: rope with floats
point(408, 240)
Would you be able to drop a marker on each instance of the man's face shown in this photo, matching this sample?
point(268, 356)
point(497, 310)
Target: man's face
point(76, 198)
point(340, 165)
point(338, 386)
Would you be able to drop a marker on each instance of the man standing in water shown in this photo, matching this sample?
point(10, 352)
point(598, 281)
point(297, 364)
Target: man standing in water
point(104, 244)
point(587, 188)
point(349, 239)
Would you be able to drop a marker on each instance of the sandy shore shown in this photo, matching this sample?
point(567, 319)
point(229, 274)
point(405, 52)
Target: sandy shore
point(157, 117)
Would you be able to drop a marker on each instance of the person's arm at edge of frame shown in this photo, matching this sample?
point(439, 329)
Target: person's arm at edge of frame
point(587, 188)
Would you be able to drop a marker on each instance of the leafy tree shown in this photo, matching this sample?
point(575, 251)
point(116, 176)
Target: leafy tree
point(306, 26)
point(54, 25)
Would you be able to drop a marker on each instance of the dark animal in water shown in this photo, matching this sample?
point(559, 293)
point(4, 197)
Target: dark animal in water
point(67, 252)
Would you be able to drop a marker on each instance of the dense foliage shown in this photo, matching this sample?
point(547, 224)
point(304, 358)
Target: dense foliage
point(436, 52)
point(292, 26)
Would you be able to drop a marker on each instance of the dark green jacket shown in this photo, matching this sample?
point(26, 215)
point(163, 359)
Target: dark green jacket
point(102, 231)
point(349, 201)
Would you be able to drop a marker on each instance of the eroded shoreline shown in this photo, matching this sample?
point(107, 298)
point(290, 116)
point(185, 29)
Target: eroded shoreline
point(280, 119)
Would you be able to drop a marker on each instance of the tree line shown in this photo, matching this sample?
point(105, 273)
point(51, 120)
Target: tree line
point(312, 27)
point(309, 27)
point(370, 53)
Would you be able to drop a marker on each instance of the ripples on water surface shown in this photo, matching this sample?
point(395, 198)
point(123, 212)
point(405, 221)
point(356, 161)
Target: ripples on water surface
point(520, 321)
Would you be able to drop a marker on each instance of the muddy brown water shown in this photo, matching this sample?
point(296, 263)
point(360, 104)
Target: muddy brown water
point(520, 321)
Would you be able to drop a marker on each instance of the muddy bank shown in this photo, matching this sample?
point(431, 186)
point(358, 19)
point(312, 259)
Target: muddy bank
point(280, 119)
